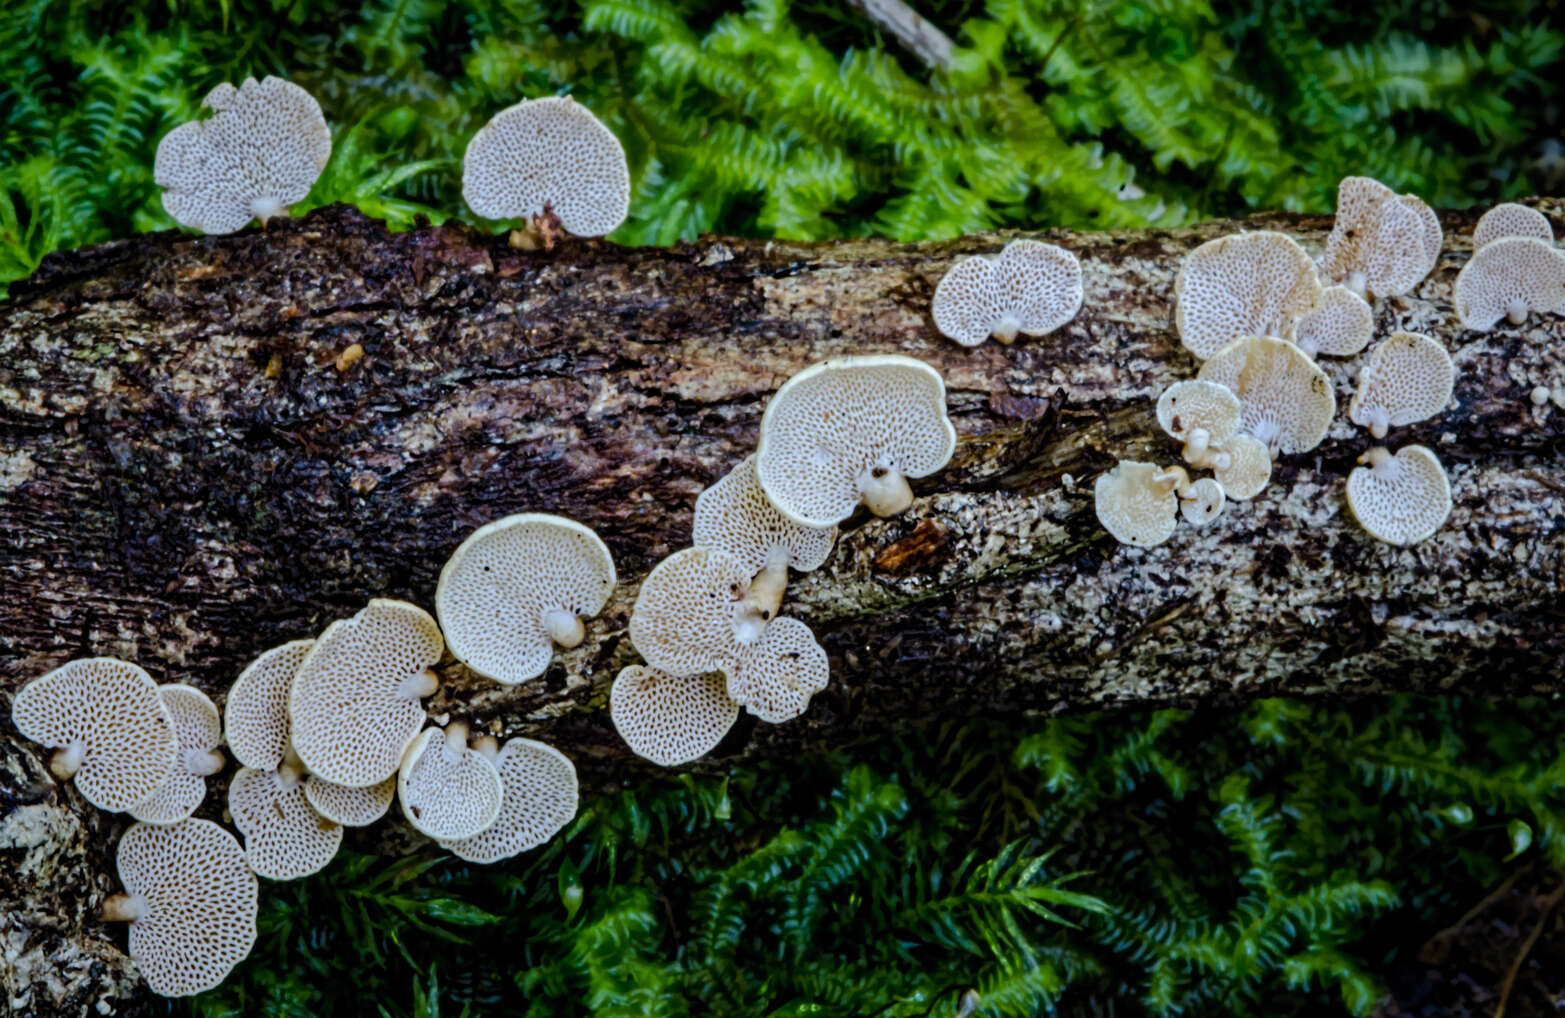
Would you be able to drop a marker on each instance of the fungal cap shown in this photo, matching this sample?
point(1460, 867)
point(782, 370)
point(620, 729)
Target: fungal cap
point(1031, 287)
point(285, 837)
point(1510, 277)
point(965, 306)
point(191, 899)
point(735, 516)
point(355, 699)
point(1509, 219)
point(259, 153)
point(1202, 502)
point(517, 587)
point(1198, 413)
point(255, 712)
point(776, 678)
point(1381, 242)
point(1285, 399)
point(671, 719)
point(688, 616)
point(114, 735)
point(1247, 284)
point(541, 797)
point(448, 790)
point(350, 807)
point(1406, 379)
point(1399, 499)
point(548, 154)
point(850, 430)
point(1339, 324)
point(199, 731)
point(1135, 505)
point(1246, 469)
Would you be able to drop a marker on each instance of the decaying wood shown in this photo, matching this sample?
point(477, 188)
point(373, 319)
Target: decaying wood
point(212, 445)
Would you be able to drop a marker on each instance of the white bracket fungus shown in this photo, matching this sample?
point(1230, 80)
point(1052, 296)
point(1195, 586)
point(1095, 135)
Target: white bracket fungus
point(259, 153)
point(1202, 501)
point(1509, 219)
point(350, 807)
point(190, 899)
point(671, 719)
point(285, 837)
point(541, 796)
point(1339, 324)
point(1136, 503)
point(1203, 415)
point(1399, 499)
point(1247, 284)
point(1285, 399)
point(1406, 379)
point(735, 516)
point(1243, 467)
point(1382, 243)
point(355, 701)
point(548, 156)
point(199, 732)
point(852, 430)
point(114, 735)
point(1031, 288)
point(776, 678)
point(448, 790)
point(516, 588)
point(1510, 278)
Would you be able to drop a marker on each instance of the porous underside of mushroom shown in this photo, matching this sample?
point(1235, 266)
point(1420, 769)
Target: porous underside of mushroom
point(1400, 499)
point(777, 676)
point(285, 837)
point(735, 516)
point(541, 795)
point(1247, 284)
point(687, 617)
point(1407, 378)
point(1510, 278)
point(671, 719)
point(1134, 506)
point(199, 731)
point(1030, 288)
point(1285, 399)
point(1509, 219)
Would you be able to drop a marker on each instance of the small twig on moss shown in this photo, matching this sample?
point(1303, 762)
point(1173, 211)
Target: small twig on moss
point(916, 34)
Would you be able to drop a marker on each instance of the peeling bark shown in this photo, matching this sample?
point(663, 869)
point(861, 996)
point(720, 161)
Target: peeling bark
point(191, 471)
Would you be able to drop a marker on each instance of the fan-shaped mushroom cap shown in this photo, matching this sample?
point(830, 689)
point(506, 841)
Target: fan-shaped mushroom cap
point(851, 430)
point(255, 711)
point(671, 719)
point(114, 735)
point(688, 615)
point(1509, 219)
point(1339, 324)
point(351, 807)
point(735, 516)
point(1406, 379)
point(541, 796)
point(1247, 284)
point(1381, 242)
point(1510, 278)
point(191, 901)
point(1202, 502)
point(200, 733)
point(285, 837)
point(1400, 499)
point(1285, 400)
point(548, 153)
point(355, 699)
point(1200, 414)
point(1032, 288)
point(1134, 505)
point(258, 154)
point(448, 790)
point(518, 586)
point(1243, 467)
point(777, 677)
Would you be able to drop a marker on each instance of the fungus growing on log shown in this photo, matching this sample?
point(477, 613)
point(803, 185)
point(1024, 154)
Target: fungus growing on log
point(1510, 278)
point(1285, 399)
point(1136, 503)
point(1203, 415)
point(259, 153)
point(113, 734)
point(1406, 379)
point(1243, 467)
point(1339, 324)
point(516, 588)
point(354, 704)
point(1509, 219)
point(776, 678)
point(200, 732)
point(191, 901)
point(546, 157)
point(1382, 243)
point(1399, 499)
point(671, 719)
point(852, 430)
point(1030, 288)
point(448, 790)
point(1201, 501)
point(285, 836)
point(540, 797)
point(1247, 284)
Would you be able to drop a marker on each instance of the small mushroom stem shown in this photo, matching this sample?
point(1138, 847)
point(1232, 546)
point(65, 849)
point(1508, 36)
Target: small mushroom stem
point(765, 595)
point(884, 490)
point(1006, 328)
point(1196, 444)
point(488, 747)
point(456, 738)
point(1516, 312)
point(564, 628)
point(123, 908)
point(1380, 460)
point(204, 762)
point(1307, 346)
point(267, 207)
point(416, 687)
point(1358, 282)
point(1174, 478)
point(292, 769)
point(66, 762)
point(1376, 420)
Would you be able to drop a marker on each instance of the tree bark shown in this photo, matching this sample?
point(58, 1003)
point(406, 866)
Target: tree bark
point(194, 467)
